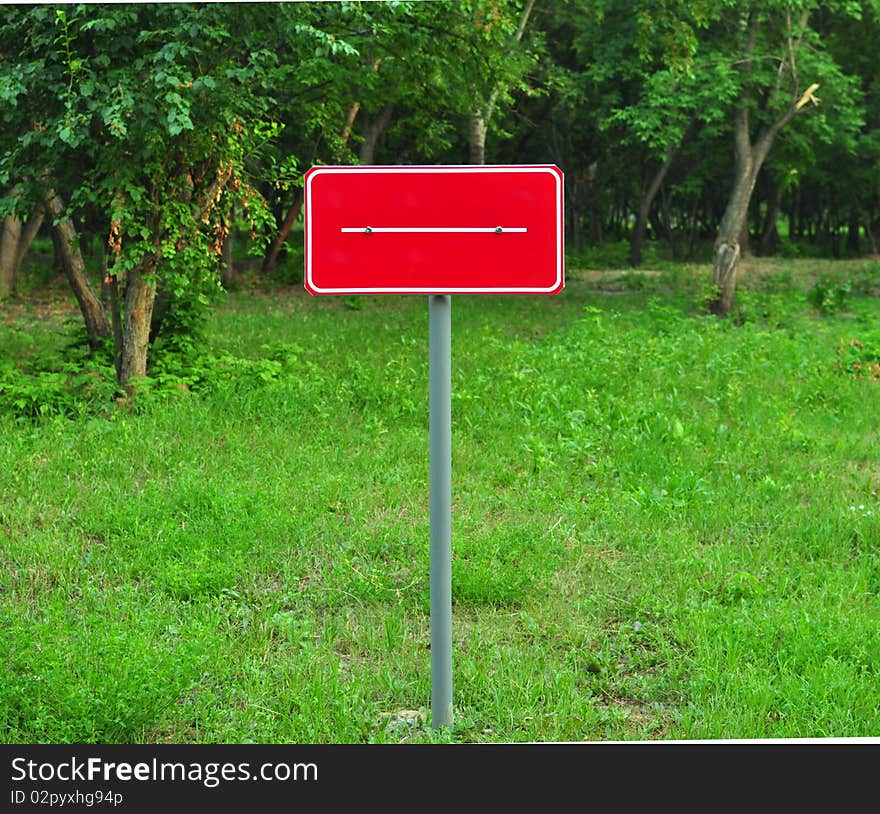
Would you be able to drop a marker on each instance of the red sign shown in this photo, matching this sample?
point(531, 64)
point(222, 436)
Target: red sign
point(472, 229)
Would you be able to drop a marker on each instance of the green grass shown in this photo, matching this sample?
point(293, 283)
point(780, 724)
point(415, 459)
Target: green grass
point(664, 526)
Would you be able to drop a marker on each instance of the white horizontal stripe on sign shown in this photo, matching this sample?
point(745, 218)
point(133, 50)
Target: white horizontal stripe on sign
point(444, 229)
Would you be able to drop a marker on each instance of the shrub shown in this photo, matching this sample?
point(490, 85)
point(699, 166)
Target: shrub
point(828, 296)
point(859, 359)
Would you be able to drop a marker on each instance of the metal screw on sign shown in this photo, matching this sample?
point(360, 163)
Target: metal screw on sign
point(400, 259)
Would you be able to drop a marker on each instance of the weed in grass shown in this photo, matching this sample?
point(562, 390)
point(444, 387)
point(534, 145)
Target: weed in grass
point(858, 358)
point(829, 296)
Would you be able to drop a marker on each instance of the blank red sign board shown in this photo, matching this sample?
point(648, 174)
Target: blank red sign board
point(471, 229)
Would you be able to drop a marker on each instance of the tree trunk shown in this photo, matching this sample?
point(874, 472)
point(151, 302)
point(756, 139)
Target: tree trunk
point(349, 121)
point(594, 222)
point(745, 248)
point(794, 215)
point(824, 230)
point(692, 229)
point(656, 224)
point(770, 238)
point(28, 233)
point(96, 323)
point(140, 294)
point(227, 266)
point(161, 308)
point(353, 111)
point(650, 192)
point(728, 245)
point(667, 222)
point(479, 125)
point(872, 231)
point(110, 288)
point(375, 129)
point(853, 243)
point(574, 195)
point(15, 240)
point(725, 261)
point(9, 243)
point(270, 261)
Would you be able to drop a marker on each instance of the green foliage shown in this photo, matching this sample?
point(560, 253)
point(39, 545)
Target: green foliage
point(168, 127)
point(860, 357)
point(51, 390)
point(638, 548)
point(199, 83)
point(828, 296)
point(67, 383)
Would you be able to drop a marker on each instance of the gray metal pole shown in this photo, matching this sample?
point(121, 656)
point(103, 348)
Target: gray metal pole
point(440, 357)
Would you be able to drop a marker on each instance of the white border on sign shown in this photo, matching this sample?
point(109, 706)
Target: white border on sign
point(448, 168)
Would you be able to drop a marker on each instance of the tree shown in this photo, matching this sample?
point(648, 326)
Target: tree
point(648, 101)
point(418, 66)
point(147, 114)
point(781, 64)
point(501, 26)
point(673, 105)
point(96, 321)
point(850, 167)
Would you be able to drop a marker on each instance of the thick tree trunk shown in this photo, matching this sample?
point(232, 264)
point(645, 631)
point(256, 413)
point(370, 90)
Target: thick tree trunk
point(726, 257)
point(96, 323)
point(9, 242)
point(745, 247)
point(375, 128)
point(15, 240)
point(728, 249)
point(732, 232)
point(140, 295)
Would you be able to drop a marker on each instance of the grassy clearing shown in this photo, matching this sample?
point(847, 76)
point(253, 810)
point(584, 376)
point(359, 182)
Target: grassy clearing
point(665, 526)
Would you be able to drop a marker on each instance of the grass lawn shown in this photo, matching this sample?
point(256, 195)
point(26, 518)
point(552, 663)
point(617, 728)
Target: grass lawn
point(665, 526)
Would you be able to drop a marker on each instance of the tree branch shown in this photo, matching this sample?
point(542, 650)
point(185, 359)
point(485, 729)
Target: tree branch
point(208, 199)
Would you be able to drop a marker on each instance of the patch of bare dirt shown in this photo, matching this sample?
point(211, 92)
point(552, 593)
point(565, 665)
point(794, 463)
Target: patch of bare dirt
point(49, 306)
